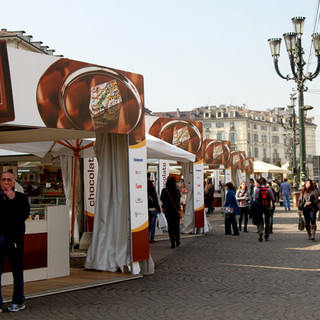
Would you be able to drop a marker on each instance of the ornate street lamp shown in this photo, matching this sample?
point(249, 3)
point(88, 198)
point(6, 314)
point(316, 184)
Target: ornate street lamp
point(295, 52)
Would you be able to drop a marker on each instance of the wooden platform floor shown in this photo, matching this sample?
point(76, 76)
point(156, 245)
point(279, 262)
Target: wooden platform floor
point(78, 279)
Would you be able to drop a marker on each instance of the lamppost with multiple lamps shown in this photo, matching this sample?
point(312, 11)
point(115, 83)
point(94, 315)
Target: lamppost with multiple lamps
point(293, 43)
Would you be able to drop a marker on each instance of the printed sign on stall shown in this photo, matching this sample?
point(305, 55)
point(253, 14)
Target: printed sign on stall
point(90, 177)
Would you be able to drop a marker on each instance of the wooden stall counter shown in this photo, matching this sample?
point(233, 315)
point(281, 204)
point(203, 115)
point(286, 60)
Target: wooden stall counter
point(46, 247)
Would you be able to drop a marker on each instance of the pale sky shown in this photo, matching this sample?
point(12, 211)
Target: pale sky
point(191, 53)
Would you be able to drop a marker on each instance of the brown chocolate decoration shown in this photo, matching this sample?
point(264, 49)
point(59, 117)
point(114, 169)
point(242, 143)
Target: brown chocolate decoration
point(65, 94)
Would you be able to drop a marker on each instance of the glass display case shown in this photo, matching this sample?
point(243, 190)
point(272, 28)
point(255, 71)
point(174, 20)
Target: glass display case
point(38, 206)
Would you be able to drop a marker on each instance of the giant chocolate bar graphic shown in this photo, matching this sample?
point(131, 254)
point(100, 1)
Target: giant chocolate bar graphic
point(6, 99)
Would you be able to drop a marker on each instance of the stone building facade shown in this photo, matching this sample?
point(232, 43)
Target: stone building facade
point(259, 133)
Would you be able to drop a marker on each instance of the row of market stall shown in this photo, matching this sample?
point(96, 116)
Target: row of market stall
point(46, 101)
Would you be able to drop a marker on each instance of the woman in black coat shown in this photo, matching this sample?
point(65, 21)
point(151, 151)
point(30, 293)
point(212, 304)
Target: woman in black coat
point(170, 197)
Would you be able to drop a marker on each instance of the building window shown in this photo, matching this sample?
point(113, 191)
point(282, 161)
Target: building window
point(256, 152)
point(264, 138)
point(275, 155)
point(264, 152)
point(219, 136)
point(275, 139)
point(231, 125)
point(248, 124)
point(254, 126)
point(249, 136)
point(220, 125)
point(274, 129)
point(207, 125)
point(219, 114)
point(264, 128)
point(231, 114)
point(233, 148)
point(255, 138)
point(232, 137)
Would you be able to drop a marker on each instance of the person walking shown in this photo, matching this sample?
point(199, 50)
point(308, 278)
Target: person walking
point(308, 203)
point(231, 202)
point(263, 196)
point(276, 190)
point(170, 197)
point(153, 210)
point(272, 206)
point(14, 210)
point(242, 197)
point(208, 195)
point(285, 189)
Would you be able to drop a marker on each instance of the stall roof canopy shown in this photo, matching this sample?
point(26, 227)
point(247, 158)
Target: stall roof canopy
point(156, 148)
point(263, 167)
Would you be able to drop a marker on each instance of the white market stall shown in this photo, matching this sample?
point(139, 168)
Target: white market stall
point(263, 167)
point(156, 149)
point(53, 98)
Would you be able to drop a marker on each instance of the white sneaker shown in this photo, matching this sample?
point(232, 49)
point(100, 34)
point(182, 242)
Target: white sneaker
point(16, 307)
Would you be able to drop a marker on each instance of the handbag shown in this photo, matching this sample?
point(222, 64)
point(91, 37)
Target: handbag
point(227, 210)
point(180, 212)
point(301, 224)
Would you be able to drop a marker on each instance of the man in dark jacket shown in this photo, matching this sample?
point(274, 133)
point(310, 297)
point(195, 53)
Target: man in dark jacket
point(14, 210)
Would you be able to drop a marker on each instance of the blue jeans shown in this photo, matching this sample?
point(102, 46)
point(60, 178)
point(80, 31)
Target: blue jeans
point(152, 223)
point(14, 253)
point(309, 216)
point(271, 217)
point(286, 201)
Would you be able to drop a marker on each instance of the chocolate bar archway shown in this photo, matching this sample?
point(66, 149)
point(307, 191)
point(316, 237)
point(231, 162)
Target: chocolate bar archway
point(219, 142)
point(184, 123)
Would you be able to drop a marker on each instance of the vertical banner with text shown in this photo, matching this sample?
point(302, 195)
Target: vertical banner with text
point(90, 177)
point(198, 194)
point(164, 169)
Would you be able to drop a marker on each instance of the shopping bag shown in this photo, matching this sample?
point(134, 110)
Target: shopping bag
point(162, 221)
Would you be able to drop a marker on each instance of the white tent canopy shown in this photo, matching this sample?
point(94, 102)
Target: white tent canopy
point(263, 167)
point(159, 149)
point(156, 149)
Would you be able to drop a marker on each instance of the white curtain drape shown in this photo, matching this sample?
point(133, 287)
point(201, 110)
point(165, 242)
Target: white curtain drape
point(67, 165)
point(110, 248)
point(187, 169)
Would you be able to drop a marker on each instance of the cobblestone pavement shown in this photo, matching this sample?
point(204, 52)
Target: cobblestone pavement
point(210, 277)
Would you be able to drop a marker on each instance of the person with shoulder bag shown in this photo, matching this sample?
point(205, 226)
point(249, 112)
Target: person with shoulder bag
point(242, 197)
point(308, 203)
point(170, 197)
point(231, 210)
